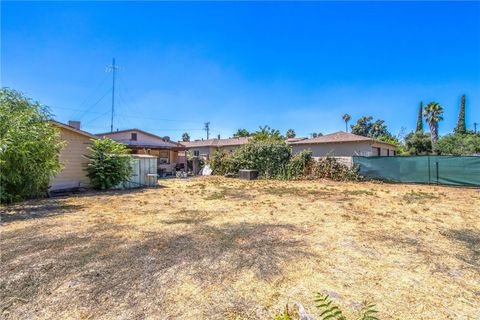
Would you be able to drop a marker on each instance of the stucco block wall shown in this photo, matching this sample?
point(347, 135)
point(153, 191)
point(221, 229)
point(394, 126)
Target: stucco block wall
point(73, 161)
point(344, 149)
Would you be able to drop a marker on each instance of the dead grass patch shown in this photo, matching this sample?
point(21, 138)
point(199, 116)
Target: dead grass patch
point(215, 248)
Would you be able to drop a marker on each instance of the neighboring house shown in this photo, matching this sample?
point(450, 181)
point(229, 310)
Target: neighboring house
point(343, 144)
point(206, 148)
point(72, 156)
point(142, 142)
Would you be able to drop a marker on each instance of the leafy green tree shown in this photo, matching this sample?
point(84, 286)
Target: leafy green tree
point(461, 125)
point(29, 147)
point(109, 164)
point(290, 134)
point(267, 134)
point(418, 143)
point(242, 133)
point(420, 118)
point(433, 114)
point(459, 144)
point(185, 137)
point(365, 127)
point(346, 117)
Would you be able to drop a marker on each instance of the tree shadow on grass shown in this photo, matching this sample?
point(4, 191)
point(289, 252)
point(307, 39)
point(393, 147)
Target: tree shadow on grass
point(36, 209)
point(100, 271)
point(470, 239)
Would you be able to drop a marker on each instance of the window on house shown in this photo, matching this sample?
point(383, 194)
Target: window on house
point(196, 153)
point(164, 157)
point(388, 152)
point(133, 136)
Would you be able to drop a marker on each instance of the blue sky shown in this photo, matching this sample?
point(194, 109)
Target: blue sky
point(241, 65)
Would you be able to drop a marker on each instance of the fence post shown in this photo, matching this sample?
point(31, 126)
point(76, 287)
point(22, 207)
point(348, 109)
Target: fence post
point(436, 169)
point(429, 178)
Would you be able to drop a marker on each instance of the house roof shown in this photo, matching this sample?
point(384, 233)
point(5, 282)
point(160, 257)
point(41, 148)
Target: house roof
point(162, 142)
point(296, 139)
point(339, 137)
point(237, 141)
point(67, 127)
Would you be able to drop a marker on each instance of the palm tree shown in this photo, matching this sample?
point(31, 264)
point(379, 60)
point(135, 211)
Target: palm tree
point(346, 117)
point(433, 114)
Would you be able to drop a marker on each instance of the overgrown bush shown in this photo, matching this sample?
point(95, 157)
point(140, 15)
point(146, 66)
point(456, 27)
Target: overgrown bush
point(299, 165)
point(331, 168)
point(269, 157)
point(29, 147)
point(274, 160)
point(109, 164)
point(223, 162)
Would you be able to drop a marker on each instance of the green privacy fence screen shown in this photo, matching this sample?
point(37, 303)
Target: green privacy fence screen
point(422, 169)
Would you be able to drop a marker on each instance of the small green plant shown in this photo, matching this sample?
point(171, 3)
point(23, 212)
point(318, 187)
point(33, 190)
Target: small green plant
point(329, 310)
point(109, 164)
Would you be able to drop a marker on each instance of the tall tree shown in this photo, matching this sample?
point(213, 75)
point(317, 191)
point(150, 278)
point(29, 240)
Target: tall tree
point(346, 117)
point(433, 114)
point(242, 133)
point(420, 118)
point(29, 147)
point(461, 126)
point(290, 134)
point(267, 133)
point(185, 137)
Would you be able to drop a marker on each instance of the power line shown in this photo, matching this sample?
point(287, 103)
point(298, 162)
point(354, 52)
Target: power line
point(93, 105)
point(93, 92)
point(126, 115)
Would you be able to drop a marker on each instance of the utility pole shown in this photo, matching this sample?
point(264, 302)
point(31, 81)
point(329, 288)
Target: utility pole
point(207, 128)
point(112, 68)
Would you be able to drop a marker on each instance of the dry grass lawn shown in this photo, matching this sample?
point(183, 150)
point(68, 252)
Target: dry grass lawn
point(215, 248)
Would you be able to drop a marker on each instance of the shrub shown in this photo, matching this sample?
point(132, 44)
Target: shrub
point(331, 168)
point(299, 165)
point(459, 144)
point(223, 162)
point(29, 147)
point(269, 157)
point(108, 164)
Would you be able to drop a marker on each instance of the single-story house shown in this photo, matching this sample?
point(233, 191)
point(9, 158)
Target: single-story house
point(206, 148)
point(142, 142)
point(72, 156)
point(343, 144)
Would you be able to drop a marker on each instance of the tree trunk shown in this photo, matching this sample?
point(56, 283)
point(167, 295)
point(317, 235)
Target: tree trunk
point(434, 135)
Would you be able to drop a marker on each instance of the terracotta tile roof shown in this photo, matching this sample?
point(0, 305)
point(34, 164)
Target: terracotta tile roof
point(216, 142)
point(338, 137)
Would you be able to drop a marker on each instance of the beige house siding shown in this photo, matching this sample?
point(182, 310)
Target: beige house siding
point(73, 161)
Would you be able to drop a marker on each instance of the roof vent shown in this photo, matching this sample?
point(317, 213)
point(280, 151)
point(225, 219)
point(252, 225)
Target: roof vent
point(74, 124)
